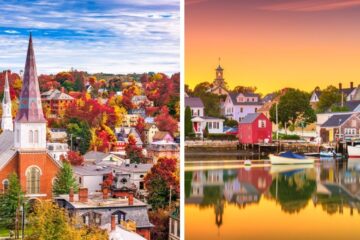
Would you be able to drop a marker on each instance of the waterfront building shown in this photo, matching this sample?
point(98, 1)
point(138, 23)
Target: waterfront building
point(340, 126)
point(196, 106)
point(238, 105)
point(24, 150)
point(255, 128)
point(215, 125)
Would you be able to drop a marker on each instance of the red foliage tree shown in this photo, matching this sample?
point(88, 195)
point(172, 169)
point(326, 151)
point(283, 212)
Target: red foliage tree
point(165, 122)
point(159, 89)
point(140, 125)
point(109, 178)
point(134, 152)
point(47, 82)
point(75, 158)
point(90, 110)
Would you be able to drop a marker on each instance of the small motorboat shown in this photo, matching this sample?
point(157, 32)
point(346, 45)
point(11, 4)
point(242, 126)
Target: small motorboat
point(330, 154)
point(290, 158)
point(247, 163)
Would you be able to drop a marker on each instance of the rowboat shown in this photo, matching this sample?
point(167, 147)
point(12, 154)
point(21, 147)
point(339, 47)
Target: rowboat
point(353, 151)
point(290, 158)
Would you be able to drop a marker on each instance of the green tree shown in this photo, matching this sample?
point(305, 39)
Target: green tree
point(231, 123)
point(80, 130)
point(188, 123)
point(10, 201)
point(293, 107)
point(64, 180)
point(329, 98)
point(206, 131)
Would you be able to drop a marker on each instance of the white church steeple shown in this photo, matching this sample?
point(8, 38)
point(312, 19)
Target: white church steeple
point(6, 120)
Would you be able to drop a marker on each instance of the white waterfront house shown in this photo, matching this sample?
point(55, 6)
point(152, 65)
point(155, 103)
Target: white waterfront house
point(200, 121)
point(238, 105)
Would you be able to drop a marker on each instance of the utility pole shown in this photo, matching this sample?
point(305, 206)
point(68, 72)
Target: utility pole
point(277, 123)
point(170, 196)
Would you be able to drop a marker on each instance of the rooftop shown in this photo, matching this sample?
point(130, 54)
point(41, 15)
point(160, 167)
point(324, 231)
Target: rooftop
point(193, 102)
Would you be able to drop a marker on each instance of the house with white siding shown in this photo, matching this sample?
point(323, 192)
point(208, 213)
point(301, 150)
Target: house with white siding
point(238, 105)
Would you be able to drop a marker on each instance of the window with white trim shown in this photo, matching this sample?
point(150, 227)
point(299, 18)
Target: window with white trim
point(33, 180)
point(262, 124)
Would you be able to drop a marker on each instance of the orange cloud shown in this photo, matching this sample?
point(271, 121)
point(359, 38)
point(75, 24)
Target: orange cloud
point(312, 6)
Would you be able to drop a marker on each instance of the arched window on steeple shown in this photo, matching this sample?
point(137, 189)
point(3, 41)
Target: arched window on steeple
point(33, 180)
point(31, 136)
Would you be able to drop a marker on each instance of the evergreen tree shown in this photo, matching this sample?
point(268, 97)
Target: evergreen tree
point(65, 180)
point(206, 131)
point(10, 201)
point(188, 123)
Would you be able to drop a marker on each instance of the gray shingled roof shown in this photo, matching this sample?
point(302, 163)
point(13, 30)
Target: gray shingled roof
point(193, 102)
point(233, 97)
point(336, 120)
point(7, 150)
point(352, 105)
point(249, 118)
point(95, 156)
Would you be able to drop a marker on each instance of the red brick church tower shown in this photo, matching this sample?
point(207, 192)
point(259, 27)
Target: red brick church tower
point(24, 150)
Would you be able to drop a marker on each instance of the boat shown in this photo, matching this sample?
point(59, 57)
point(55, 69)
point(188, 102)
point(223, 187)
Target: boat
point(290, 158)
point(353, 151)
point(330, 154)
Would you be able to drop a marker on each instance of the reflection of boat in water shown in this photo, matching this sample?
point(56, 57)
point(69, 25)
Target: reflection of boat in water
point(289, 168)
point(353, 151)
point(354, 164)
point(290, 158)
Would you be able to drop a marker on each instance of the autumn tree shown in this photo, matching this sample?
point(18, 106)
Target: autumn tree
point(158, 89)
point(133, 151)
point(165, 122)
point(50, 222)
point(12, 198)
point(160, 219)
point(65, 180)
point(74, 158)
point(162, 178)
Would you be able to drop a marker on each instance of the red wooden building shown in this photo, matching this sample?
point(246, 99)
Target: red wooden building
point(255, 128)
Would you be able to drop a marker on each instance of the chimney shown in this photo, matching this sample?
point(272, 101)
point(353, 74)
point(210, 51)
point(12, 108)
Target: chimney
point(351, 85)
point(71, 195)
point(105, 192)
point(95, 148)
point(113, 224)
point(131, 199)
point(83, 195)
point(340, 86)
point(62, 89)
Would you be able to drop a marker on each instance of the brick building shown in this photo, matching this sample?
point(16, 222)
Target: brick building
point(23, 150)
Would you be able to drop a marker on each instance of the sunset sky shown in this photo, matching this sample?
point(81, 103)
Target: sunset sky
point(273, 44)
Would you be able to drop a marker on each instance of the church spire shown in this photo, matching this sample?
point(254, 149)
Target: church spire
point(6, 120)
point(30, 124)
point(30, 109)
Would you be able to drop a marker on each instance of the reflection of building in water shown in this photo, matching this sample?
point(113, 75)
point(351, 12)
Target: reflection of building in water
point(338, 188)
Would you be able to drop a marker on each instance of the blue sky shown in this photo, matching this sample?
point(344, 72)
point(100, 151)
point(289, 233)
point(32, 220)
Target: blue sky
point(112, 36)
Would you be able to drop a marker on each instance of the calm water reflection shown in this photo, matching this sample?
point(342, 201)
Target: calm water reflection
point(267, 202)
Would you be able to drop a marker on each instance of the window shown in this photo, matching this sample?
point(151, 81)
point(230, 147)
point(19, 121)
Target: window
point(36, 136)
point(241, 110)
point(192, 112)
point(33, 180)
point(5, 185)
point(210, 125)
point(119, 216)
point(255, 109)
point(262, 124)
point(141, 185)
point(198, 112)
point(31, 136)
point(92, 218)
